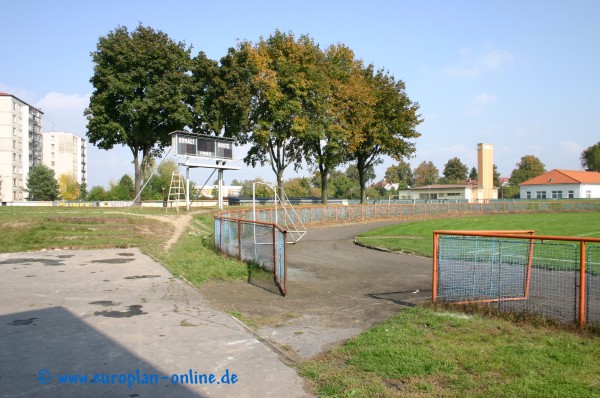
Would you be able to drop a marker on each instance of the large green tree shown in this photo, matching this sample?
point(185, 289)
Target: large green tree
point(343, 95)
point(590, 158)
point(286, 74)
point(400, 174)
point(426, 174)
point(41, 183)
point(389, 128)
point(528, 167)
point(455, 171)
point(141, 80)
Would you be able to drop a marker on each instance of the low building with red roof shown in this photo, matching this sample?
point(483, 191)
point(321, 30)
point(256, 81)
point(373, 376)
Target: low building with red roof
point(562, 184)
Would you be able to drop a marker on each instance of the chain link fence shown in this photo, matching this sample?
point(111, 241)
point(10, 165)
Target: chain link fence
point(235, 236)
point(255, 242)
point(536, 275)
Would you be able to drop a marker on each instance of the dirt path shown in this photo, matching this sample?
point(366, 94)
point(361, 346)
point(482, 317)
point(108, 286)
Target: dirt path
point(179, 223)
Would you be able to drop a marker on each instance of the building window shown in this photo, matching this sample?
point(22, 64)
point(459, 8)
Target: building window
point(571, 194)
point(528, 195)
point(556, 194)
point(588, 194)
point(14, 144)
point(540, 194)
point(52, 163)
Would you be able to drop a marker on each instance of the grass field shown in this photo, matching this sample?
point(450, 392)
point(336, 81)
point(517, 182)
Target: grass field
point(426, 353)
point(422, 352)
point(416, 237)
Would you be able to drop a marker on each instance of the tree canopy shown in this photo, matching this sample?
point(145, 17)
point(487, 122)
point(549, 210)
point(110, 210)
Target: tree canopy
point(400, 174)
point(68, 187)
point(528, 167)
point(590, 158)
point(41, 183)
point(426, 174)
point(140, 84)
point(340, 99)
point(390, 126)
point(286, 74)
point(455, 171)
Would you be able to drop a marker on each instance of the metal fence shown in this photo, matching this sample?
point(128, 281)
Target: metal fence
point(232, 226)
point(316, 215)
point(255, 242)
point(552, 276)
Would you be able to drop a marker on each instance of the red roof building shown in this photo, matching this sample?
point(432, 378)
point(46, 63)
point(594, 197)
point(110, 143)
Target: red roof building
point(562, 184)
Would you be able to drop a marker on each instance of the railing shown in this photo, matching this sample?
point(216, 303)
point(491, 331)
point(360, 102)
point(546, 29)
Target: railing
point(556, 277)
point(255, 242)
point(319, 215)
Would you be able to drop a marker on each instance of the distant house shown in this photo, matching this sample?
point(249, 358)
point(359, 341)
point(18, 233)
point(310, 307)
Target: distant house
point(480, 191)
point(468, 191)
point(228, 190)
point(562, 184)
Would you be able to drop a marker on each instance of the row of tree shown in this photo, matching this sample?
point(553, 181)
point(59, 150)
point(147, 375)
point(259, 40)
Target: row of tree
point(286, 98)
point(42, 184)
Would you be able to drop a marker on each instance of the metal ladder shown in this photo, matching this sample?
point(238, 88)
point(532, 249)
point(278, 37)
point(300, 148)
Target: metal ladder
point(176, 190)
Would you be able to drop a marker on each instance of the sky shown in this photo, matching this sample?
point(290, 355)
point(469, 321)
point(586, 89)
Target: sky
point(521, 75)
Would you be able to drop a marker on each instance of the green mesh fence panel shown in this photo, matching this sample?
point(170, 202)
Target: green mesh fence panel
point(479, 268)
point(495, 269)
point(593, 285)
point(280, 264)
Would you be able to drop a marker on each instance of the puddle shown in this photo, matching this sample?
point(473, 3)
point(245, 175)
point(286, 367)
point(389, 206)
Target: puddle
point(104, 303)
point(114, 261)
point(142, 276)
point(133, 311)
point(126, 254)
point(66, 256)
point(19, 322)
point(27, 261)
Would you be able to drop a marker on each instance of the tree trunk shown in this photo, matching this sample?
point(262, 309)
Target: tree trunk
point(324, 198)
point(138, 173)
point(281, 192)
point(361, 178)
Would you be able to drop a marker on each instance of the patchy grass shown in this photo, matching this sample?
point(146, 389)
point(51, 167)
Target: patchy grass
point(195, 258)
point(416, 237)
point(424, 353)
point(36, 228)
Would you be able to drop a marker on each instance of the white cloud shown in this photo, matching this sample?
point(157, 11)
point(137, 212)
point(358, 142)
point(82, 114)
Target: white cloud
point(474, 65)
point(493, 58)
point(480, 103)
point(64, 112)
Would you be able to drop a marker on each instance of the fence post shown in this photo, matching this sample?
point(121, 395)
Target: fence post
point(434, 287)
point(582, 281)
point(239, 240)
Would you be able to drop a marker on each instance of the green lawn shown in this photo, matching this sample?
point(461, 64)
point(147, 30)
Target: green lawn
point(426, 353)
point(416, 237)
point(420, 352)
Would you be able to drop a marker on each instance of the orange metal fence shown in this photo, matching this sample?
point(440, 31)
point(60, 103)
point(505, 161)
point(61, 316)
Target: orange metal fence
point(553, 276)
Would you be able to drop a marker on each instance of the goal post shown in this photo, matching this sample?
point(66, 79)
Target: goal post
point(284, 215)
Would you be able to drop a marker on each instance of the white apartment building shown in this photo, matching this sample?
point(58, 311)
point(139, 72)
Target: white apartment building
point(20, 145)
point(66, 153)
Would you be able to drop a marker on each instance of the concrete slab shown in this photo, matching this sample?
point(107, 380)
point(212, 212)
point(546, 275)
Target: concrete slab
point(116, 323)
